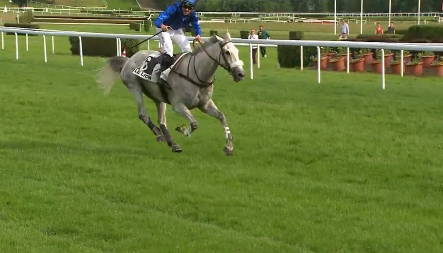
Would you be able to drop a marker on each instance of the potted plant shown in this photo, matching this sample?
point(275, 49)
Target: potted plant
point(427, 58)
point(395, 66)
point(357, 64)
point(367, 55)
point(337, 62)
point(323, 61)
point(388, 57)
point(407, 56)
point(376, 65)
point(330, 52)
point(342, 51)
point(415, 67)
point(437, 66)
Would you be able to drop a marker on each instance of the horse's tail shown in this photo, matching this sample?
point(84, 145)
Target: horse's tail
point(111, 73)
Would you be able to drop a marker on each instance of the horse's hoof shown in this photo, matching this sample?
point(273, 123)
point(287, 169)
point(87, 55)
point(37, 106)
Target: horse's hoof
point(228, 152)
point(181, 129)
point(161, 138)
point(176, 149)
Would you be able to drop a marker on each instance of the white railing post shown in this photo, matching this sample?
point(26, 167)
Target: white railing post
point(16, 46)
point(27, 43)
point(149, 46)
point(3, 41)
point(44, 48)
point(318, 64)
point(118, 47)
point(251, 65)
point(347, 62)
point(53, 45)
point(258, 56)
point(401, 62)
point(301, 57)
point(81, 49)
point(383, 68)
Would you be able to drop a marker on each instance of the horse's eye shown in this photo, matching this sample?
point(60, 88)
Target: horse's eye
point(228, 53)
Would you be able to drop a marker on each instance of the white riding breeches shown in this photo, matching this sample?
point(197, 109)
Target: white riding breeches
point(173, 36)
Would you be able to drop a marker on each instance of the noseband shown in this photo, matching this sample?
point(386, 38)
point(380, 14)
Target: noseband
point(227, 67)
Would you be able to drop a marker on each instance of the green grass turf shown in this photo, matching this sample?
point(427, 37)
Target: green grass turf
point(341, 166)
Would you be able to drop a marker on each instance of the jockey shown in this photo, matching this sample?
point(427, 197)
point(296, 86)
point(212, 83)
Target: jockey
point(170, 22)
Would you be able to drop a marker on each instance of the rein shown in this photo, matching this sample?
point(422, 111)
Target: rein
point(203, 83)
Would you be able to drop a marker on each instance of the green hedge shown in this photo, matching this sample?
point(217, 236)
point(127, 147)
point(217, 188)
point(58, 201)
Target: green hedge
point(295, 35)
point(103, 47)
point(431, 33)
point(61, 20)
point(26, 17)
point(244, 34)
point(289, 56)
point(147, 26)
point(89, 17)
point(135, 26)
point(379, 37)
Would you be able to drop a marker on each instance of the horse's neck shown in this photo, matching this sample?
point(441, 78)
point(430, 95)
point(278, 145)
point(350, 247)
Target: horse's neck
point(206, 66)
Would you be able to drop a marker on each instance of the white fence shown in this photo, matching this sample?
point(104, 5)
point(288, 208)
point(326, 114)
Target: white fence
point(63, 8)
point(240, 42)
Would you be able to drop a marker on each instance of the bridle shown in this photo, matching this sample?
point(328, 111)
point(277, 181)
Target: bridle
point(226, 66)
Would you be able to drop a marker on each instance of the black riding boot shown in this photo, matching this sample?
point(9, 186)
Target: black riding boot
point(166, 62)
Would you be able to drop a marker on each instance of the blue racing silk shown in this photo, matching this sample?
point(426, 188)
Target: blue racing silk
point(173, 16)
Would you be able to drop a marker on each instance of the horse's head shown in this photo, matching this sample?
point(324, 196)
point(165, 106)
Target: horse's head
point(230, 59)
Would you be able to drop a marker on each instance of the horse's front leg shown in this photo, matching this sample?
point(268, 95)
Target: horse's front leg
point(211, 109)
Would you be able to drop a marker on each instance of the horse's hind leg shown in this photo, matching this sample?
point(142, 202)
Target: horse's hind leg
point(142, 113)
point(161, 113)
point(211, 109)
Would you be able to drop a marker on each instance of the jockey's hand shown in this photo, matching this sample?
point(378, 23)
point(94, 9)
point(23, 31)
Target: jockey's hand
point(164, 27)
point(198, 38)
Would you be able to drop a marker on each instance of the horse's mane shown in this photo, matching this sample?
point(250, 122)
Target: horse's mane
point(211, 41)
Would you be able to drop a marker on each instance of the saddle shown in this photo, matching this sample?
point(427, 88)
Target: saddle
point(150, 69)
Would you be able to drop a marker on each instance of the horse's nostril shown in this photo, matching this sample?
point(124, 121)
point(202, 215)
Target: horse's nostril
point(241, 75)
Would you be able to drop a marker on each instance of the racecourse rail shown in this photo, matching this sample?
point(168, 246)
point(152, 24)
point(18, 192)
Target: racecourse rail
point(236, 41)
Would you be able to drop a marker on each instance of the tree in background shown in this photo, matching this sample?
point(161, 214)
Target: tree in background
point(21, 3)
point(315, 5)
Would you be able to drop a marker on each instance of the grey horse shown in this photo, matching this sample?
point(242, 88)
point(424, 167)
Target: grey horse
point(190, 79)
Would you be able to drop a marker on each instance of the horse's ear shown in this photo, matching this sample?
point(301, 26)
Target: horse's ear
point(218, 38)
point(227, 36)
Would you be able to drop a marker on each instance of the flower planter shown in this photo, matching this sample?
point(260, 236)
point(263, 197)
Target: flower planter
point(338, 64)
point(388, 58)
point(357, 65)
point(330, 56)
point(323, 63)
point(396, 68)
point(407, 58)
point(376, 67)
point(368, 58)
point(415, 69)
point(427, 60)
point(438, 69)
point(345, 56)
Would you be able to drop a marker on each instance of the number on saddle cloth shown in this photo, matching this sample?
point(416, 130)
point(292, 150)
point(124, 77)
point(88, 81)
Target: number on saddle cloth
point(150, 68)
